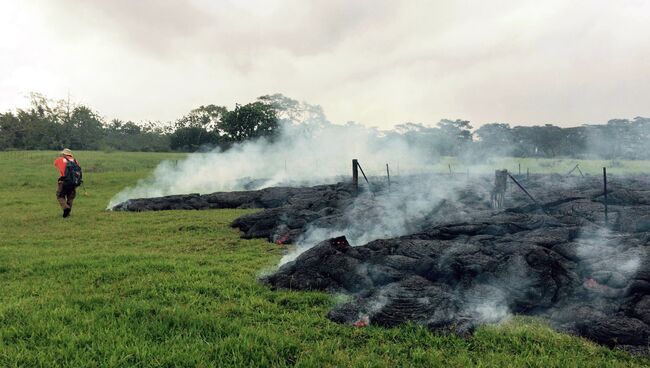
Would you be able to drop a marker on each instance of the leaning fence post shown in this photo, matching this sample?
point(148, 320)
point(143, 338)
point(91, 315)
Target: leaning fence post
point(524, 190)
point(605, 192)
point(365, 177)
point(355, 174)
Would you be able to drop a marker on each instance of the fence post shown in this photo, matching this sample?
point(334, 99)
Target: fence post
point(388, 176)
point(605, 193)
point(498, 193)
point(355, 174)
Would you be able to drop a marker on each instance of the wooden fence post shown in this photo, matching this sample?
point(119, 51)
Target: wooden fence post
point(605, 193)
point(355, 174)
point(388, 176)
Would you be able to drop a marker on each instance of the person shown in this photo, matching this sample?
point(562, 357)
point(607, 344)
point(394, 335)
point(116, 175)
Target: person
point(65, 190)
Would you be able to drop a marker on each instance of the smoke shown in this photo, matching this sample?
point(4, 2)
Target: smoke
point(405, 208)
point(618, 139)
point(489, 301)
point(491, 310)
point(605, 259)
point(311, 150)
point(302, 154)
point(374, 306)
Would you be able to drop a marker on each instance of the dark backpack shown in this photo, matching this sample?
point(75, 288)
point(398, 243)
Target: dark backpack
point(72, 176)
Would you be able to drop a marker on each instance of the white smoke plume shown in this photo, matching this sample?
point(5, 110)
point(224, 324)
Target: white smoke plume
point(397, 212)
point(311, 150)
point(307, 153)
point(492, 310)
point(605, 258)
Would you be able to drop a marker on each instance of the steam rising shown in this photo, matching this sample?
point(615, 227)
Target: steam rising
point(307, 153)
point(318, 152)
point(399, 212)
point(603, 256)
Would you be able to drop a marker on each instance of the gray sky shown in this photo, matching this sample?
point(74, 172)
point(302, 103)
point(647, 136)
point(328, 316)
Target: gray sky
point(377, 62)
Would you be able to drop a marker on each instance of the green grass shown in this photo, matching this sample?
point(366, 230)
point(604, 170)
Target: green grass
point(564, 165)
point(401, 166)
point(179, 289)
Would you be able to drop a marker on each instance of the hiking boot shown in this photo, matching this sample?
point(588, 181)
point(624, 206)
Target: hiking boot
point(66, 212)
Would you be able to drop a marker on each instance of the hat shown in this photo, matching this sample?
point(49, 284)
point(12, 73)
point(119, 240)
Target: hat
point(66, 152)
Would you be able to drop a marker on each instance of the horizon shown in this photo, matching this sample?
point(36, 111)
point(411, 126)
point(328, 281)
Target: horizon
point(429, 124)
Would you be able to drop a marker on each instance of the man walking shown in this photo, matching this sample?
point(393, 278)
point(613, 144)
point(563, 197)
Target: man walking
point(69, 180)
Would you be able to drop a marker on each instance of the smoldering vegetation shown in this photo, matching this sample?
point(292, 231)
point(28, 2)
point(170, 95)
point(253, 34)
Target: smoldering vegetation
point(431, 249)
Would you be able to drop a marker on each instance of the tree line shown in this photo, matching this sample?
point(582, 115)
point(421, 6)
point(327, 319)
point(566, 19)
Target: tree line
point(617, 139)
point(52, 125)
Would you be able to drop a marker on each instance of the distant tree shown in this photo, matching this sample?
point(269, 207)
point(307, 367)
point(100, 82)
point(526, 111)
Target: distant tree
point(190, 138)
point(640, 136)
point(199, 128)
point(131, 128)
point(574, 142)
point(461, 130)
point(619, 138)
point(37, 131)
point(10, 132)
point(286, 108)
point(250, 121)
point(207, 117)
point(84, 130)
point(495, 139)
point(549, 139)
point(457, 136)
point(292, 111)
point(130, 136)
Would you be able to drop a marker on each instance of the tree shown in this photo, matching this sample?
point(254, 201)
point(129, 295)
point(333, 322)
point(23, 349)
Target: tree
point(84, 130)
point(460, 130)
point(190, 138)
point(250, 121)
point(549, 138)
point(292, 111)
point(495, 139)
point(9, 131)
point(207, 117)
point(457, 134)
point(200, 127)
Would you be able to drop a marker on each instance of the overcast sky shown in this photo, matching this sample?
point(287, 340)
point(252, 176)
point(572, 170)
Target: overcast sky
point(377, 62)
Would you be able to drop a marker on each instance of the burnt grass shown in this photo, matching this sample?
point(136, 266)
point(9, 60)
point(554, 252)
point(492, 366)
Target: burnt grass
point(463, 263)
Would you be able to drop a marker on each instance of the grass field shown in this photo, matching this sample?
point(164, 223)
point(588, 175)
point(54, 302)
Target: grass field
point(179, 289)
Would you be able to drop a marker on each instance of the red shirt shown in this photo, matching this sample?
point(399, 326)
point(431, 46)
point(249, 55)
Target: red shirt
point(61, 163)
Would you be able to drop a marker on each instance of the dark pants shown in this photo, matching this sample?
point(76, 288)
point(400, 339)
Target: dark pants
point(65, 194)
